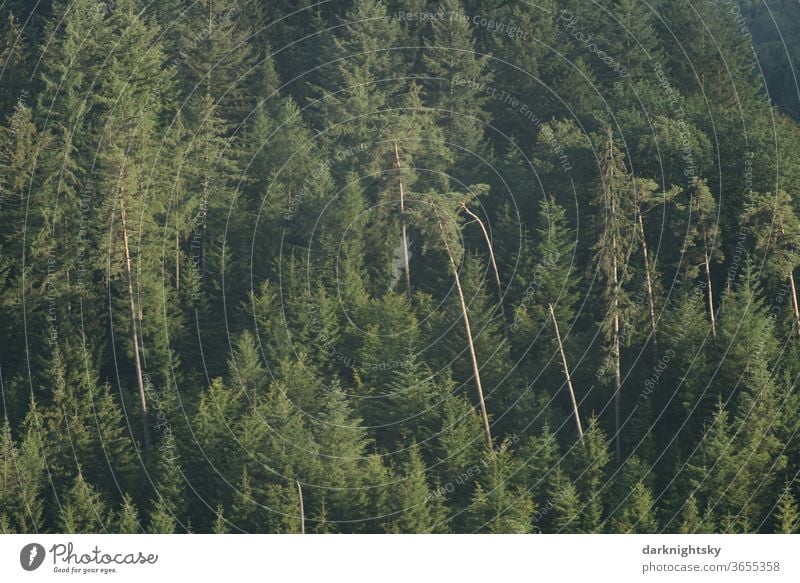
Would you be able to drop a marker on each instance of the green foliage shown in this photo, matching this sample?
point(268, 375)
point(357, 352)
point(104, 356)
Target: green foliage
point(201, 227)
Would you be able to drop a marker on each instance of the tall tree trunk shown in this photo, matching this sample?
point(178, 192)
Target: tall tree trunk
point(567, 375)
point(617, 371)
point(473, 356)
point(491, 255)
point(795, 307)
point(648, 280)
point(709, 291)
point(302, 509)
point(615, 341)
point(177, 263)
point(134, 330)
point(406, 267)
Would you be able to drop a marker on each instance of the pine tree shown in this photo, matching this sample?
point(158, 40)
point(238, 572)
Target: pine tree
point(83, 510)
point(162, 519)
point(420, 510)
point(701, 245)
point(566, 505)
point(245, 369)
point(638, 515)
point(359, 84)
point(220, 522)
point(691, 522)
point(629, 35)
point(244, 512)
point(459, 448)
point(170, 491)
point(613, 251)
point(787, 516)
point(342, 449)
point(776, 230)
point(497, 506)
point(457, 74)
point(12, 57)
point(216, 59)
point(588, 464)
point(128, 519)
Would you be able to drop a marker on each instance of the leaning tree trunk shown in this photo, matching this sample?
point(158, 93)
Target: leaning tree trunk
point(567, 375)
point(134, 331)
point(491, 256)
point(473, 356)
point(795, 307)
point(709, 291)
point(406, 266)
point(793, 289)
point(648, 280)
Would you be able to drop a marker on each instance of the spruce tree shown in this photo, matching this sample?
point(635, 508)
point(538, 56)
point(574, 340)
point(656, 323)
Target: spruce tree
point(457, 73)
point(498, 506)
point(83, 509)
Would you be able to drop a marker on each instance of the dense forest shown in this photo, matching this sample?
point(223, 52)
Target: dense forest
point(399, 266)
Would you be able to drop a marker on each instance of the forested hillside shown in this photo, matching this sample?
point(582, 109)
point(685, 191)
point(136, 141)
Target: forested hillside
point(399, 266)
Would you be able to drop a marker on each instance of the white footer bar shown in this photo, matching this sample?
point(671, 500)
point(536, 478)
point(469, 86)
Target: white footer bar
point(401, 558)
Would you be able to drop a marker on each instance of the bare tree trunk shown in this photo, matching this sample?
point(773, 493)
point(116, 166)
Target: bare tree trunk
point(566, 374)
point(491, 254)
point(794, 301)
point(475, 368)
point(302, 509)
point(709, 291)
point(617, 371)
point(793, 287)
point(177, 263)
point(648, 280)
point(403, 225)
point(615, 346)
point(134, 332)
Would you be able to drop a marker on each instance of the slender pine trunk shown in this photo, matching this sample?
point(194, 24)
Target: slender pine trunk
point(567, 375)
point(177, 263)
point(648, 281)
point(491, 255)
point(795, 306)
point(134, 331)
point(406, 266)
point(302, 509)
point(615, 340)
point(709, 290)
point(473, 356)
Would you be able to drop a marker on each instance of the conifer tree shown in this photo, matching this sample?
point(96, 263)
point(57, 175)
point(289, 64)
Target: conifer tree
point(12, 60)
point(566, 504)
point(128, 518)
point(245, 368)
point(776, 230)
point(216, 58)
point(638, 515)
point(787, 516)
point(83, 510)
point(701, 245)
point(498, 506)
point(589, 465)
point(613, 251)
point(363, 79)
point(457, 73)
point(420, 510)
